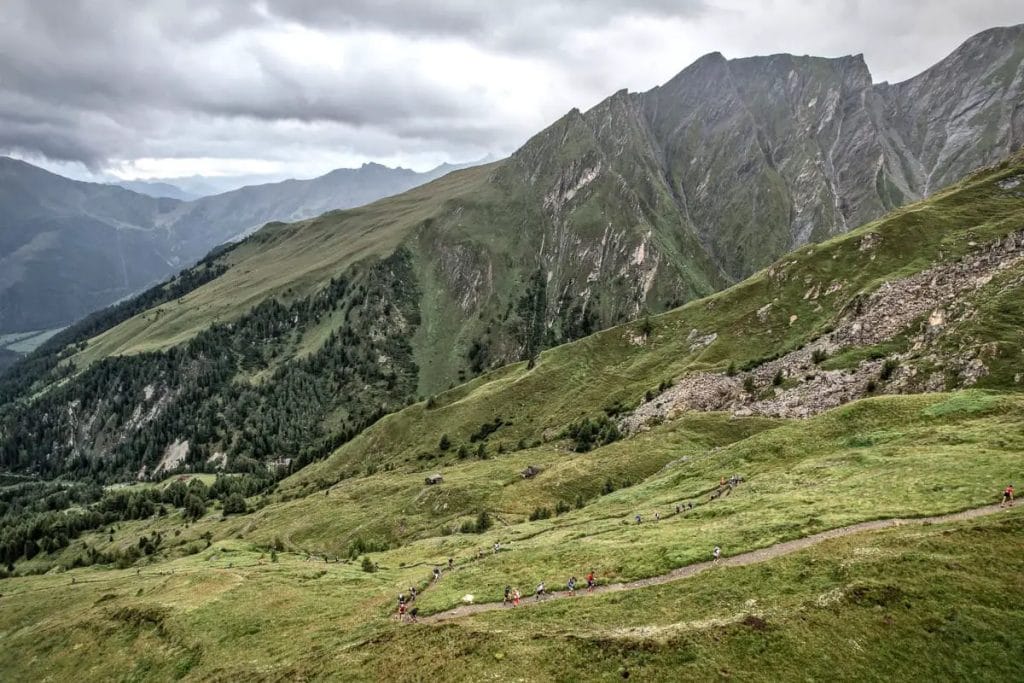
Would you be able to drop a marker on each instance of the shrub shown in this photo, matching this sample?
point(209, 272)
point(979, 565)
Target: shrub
point(749, 385)
point(479, 525)
point(463, 452)
point(779, 378)
point(731, 370)
point(368, 565)
point(235, 504)
point(562, 507)
point(483, 521)
point(588, 433)
point(445, 443)
point(540, 513)
point(888, 367)
point(818, 356)
point(195, 507)
point(617, 408)
point(486, 429)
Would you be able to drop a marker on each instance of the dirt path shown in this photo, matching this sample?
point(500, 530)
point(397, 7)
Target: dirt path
point(741, 560)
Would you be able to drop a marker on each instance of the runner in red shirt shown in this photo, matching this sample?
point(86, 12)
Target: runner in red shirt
point(1007, 497)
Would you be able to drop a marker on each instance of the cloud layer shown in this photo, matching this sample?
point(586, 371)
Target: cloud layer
point(297, 87)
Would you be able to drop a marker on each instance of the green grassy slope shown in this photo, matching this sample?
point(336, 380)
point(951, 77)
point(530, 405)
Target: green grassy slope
point(287, 259)
point(231, 611)
point(619, 365)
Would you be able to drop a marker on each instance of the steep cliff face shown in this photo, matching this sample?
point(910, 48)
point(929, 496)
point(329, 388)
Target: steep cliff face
point(965, 111)
point(734, 162)
point(768, 153)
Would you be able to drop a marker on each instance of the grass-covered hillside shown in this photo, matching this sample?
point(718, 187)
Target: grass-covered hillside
point(873, 377)
point(253, 596)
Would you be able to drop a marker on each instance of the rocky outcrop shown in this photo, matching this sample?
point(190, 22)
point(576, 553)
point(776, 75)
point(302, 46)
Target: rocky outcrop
point(925, 306)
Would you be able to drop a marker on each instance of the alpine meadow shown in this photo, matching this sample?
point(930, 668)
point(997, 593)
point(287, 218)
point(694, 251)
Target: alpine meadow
point(719, 380)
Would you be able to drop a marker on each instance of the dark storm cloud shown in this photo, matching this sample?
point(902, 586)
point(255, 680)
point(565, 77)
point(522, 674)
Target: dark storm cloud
point(106, 82)
point(514, 26)
point(89, 76)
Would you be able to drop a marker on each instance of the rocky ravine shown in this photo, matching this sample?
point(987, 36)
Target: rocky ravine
point(926, 306)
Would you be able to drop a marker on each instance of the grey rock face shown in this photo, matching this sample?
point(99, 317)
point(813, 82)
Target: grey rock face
point(764, 154)
point(652, 199)
point(892, 309)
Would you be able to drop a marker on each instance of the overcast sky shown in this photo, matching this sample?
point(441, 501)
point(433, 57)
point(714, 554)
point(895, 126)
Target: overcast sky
point(294, 88)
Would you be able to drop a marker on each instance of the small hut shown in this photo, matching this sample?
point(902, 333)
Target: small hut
point(434, 479)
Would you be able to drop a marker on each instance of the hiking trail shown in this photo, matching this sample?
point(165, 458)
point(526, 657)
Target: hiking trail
point(743, 559)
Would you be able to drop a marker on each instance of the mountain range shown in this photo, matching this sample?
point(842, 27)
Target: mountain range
point(643, 203)
point(68, 248)
point(155, 188)
point(867, 387)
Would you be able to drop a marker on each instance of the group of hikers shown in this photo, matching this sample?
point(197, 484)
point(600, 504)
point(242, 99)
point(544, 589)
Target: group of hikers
point(681, 508)
point(405, 611)
point(513, 596)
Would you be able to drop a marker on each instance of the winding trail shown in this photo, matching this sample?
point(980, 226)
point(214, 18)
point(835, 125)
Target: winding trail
point(752, 557)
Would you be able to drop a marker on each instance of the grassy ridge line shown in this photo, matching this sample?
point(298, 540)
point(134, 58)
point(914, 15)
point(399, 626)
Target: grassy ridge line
point(286, 260)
